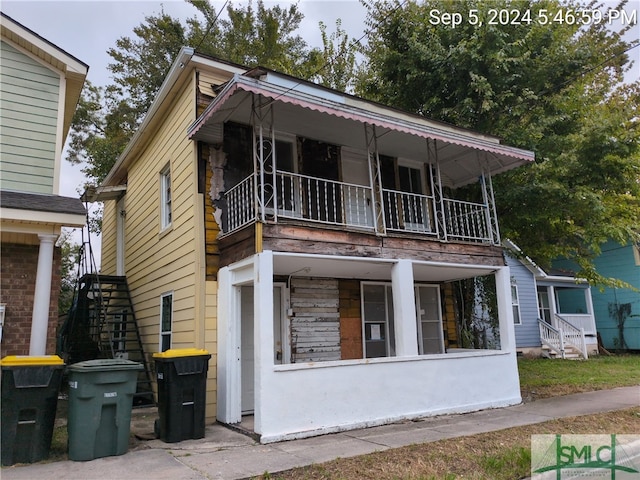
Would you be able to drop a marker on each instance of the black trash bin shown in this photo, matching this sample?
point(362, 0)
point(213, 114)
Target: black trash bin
point(182, 393)
point(30, 386)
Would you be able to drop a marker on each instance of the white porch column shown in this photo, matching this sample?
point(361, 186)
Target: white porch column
point(262, 329)
point(505, 310)
point(228, 350)
point(404, 309)
point(42, 296)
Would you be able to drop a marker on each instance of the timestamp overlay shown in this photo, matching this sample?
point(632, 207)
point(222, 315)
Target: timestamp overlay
point(515, 16)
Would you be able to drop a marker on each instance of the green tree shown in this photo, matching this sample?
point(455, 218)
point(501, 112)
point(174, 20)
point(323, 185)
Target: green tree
point(553, 88)
point(107, 117)
point(69, 255)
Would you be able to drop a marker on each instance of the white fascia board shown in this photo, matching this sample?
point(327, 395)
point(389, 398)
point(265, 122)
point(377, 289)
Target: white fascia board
point(72, 64)
point(18, 216)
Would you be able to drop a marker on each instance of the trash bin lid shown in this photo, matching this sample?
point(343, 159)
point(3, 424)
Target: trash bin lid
point(30, 361)
point(180, 352)
point(105, 364)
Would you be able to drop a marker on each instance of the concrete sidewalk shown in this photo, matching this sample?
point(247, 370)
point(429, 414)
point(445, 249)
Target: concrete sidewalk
point(225, 454)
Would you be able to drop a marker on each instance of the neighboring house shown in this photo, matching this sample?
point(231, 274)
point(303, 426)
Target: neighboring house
point(309, 240)
point(552, 313)
point(613, 305)
point(40, 85)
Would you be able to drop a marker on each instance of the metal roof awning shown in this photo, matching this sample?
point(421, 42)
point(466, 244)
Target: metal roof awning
point(337, 118)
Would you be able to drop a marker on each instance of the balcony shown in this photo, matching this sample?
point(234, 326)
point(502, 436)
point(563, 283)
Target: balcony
point(290, 196)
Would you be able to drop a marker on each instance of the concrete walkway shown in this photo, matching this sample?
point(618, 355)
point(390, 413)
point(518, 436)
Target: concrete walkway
point(225, 454)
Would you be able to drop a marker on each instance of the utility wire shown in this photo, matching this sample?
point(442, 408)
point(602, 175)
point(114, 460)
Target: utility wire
point(211, 24)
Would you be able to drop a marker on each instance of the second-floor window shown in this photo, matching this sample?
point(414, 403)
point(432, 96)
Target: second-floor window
point(165, 197)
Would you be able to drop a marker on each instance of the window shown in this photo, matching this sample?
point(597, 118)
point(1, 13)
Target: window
point(429, 317)
point(378, 329)
point(166, 321)
point(515, 304)
point(165, 197)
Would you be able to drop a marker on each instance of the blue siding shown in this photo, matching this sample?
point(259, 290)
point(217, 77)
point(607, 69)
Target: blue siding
point(616, 261)
point(527, 333)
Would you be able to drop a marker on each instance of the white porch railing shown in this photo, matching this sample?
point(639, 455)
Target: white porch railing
point(466, 220)
point(551, 337)
point(408, 212)
point(584, 321)
point(241, 208)
point(324, 201)
point(349, 205)
point(572, 335)
point(558, 338)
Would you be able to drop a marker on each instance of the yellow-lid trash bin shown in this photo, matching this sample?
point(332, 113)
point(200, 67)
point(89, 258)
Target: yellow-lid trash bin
point(182, 393)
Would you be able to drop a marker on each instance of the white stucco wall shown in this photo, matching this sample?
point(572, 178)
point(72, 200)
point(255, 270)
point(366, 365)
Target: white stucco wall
point(301, 400)
point(304, 400)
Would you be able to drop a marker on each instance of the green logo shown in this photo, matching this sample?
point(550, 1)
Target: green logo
point(615, 457)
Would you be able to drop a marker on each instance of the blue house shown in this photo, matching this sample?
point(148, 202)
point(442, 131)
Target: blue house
point(553, 314)
point(621, 262)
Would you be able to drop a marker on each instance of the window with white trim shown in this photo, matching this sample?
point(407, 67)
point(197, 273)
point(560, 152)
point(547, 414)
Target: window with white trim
point(166, 321)
point(515, 304)
point(165, 197)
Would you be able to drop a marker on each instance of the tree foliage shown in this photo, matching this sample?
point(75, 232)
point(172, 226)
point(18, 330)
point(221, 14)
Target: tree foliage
point(107, 117)
point(555, 89)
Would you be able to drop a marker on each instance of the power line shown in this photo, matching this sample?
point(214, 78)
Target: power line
point(211, 24)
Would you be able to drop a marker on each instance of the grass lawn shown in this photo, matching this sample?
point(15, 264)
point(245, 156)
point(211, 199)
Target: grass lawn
point(505, 454)
point(542, 378)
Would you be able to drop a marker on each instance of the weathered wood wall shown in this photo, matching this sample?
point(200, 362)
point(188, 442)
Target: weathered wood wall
point(315, 325)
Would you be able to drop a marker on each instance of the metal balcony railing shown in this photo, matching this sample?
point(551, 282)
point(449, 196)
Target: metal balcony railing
point(301, 197)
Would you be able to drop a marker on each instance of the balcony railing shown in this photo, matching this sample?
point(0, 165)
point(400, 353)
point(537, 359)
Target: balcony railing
point(294, 196)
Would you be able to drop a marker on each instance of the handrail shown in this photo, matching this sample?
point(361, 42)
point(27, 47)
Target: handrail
point(551, 337)
point(572, 335)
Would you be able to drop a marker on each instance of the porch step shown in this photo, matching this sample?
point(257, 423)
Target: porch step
point(570, 353)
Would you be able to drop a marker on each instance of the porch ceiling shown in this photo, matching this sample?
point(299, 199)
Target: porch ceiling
point(461, 154)
point(370, 269)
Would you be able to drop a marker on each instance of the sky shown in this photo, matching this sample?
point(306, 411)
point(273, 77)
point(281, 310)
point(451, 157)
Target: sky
point(86, 29)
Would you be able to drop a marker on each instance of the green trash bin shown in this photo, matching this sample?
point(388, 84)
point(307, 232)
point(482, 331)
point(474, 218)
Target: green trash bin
point(182, 393)
point(100, 401)
point(30, 386)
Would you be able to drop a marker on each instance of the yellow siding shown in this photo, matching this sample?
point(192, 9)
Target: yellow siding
point(159, 261)
point(108, 255)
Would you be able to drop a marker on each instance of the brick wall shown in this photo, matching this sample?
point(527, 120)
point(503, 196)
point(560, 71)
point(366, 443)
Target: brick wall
point(350, 320)
point(17, 283)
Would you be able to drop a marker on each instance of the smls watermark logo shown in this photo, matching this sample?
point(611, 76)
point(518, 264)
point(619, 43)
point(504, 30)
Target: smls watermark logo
point(564, 457)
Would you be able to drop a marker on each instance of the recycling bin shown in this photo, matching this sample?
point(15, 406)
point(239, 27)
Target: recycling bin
point(30, 386)
point(182, 393)
point(100, 401)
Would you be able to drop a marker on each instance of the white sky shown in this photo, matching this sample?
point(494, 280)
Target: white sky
point(86, 29)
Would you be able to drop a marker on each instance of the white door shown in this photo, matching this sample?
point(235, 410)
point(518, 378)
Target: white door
point(357, 199)
point(246, 350)
point(280, 339)
point(430, 336)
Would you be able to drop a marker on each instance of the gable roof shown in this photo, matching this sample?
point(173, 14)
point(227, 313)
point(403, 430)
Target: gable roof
point(74, 70)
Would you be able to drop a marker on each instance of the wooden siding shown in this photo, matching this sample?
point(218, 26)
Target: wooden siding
point(29, 101)
point(315, 325)
point(323, 240)
point(449, 315)
point(159, 261)
point(108, 240)
point(350, 319)
point(617, 261)
point(527, 333)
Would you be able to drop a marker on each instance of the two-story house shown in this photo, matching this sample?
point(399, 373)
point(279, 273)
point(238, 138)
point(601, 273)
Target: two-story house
point(309, 239)
point(40, 86)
